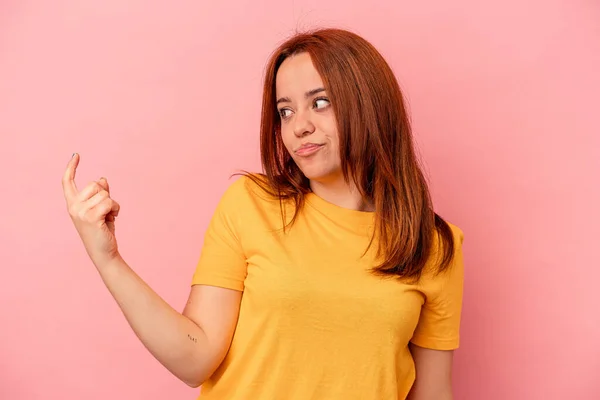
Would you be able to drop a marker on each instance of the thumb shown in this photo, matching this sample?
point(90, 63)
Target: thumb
point(104, 184)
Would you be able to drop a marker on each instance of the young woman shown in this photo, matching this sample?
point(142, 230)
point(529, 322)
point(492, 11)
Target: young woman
point(329, 276)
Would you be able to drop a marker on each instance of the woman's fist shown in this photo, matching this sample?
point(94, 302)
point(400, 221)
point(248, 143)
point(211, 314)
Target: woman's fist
point(93, 213)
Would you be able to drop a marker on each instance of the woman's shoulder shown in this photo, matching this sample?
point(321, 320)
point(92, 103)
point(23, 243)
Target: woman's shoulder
point(247, 189)
point(457, 233)
point(440, 243)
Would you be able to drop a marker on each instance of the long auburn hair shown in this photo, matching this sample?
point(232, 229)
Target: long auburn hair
point(376, 149)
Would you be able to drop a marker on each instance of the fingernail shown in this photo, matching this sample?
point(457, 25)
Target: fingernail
point(73, 155)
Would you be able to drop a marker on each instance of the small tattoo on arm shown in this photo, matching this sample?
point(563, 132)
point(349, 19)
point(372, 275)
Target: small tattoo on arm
point(193, 339)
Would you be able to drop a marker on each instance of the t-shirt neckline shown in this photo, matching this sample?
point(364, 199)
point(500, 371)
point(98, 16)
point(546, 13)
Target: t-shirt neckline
point(343, 215)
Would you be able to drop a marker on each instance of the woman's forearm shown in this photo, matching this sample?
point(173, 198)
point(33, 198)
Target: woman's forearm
point(174, 340)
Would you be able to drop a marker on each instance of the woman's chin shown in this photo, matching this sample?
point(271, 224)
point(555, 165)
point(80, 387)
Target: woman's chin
point(322, 175)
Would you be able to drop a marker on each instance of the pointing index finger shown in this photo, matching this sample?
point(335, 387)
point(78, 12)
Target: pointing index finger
point(68, 181)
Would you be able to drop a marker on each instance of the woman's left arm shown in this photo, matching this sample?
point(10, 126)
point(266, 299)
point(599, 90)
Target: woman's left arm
point(434, 374)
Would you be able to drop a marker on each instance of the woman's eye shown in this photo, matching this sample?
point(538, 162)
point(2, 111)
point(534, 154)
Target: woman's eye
point(284, 113)
point(321, 103)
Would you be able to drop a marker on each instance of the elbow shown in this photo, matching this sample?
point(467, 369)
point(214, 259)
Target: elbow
point(195, 379)
point(195, 375)
point(192, 382)
point(191, 372)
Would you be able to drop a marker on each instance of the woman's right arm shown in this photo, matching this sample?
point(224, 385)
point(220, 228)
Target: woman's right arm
point(190, 345)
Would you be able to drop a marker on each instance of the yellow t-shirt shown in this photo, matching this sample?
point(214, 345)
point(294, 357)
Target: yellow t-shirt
point(314, 322)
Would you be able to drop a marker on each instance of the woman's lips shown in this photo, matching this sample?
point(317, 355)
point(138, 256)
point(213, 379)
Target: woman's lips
point(308, 149)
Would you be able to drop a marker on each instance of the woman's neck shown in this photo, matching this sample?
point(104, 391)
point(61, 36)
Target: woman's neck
point(341, 194)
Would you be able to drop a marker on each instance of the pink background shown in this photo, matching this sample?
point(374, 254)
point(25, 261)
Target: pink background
point(163, 99)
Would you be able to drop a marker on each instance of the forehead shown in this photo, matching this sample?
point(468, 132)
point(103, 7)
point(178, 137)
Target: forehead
point(296, 76)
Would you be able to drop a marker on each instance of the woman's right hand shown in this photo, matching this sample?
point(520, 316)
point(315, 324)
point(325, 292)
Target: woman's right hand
point(93, 213)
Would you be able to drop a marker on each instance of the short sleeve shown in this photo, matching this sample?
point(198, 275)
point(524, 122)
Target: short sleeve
point(222, 261)
point(439, 322)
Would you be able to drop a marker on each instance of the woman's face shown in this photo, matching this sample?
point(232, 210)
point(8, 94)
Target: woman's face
point(308, 124)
